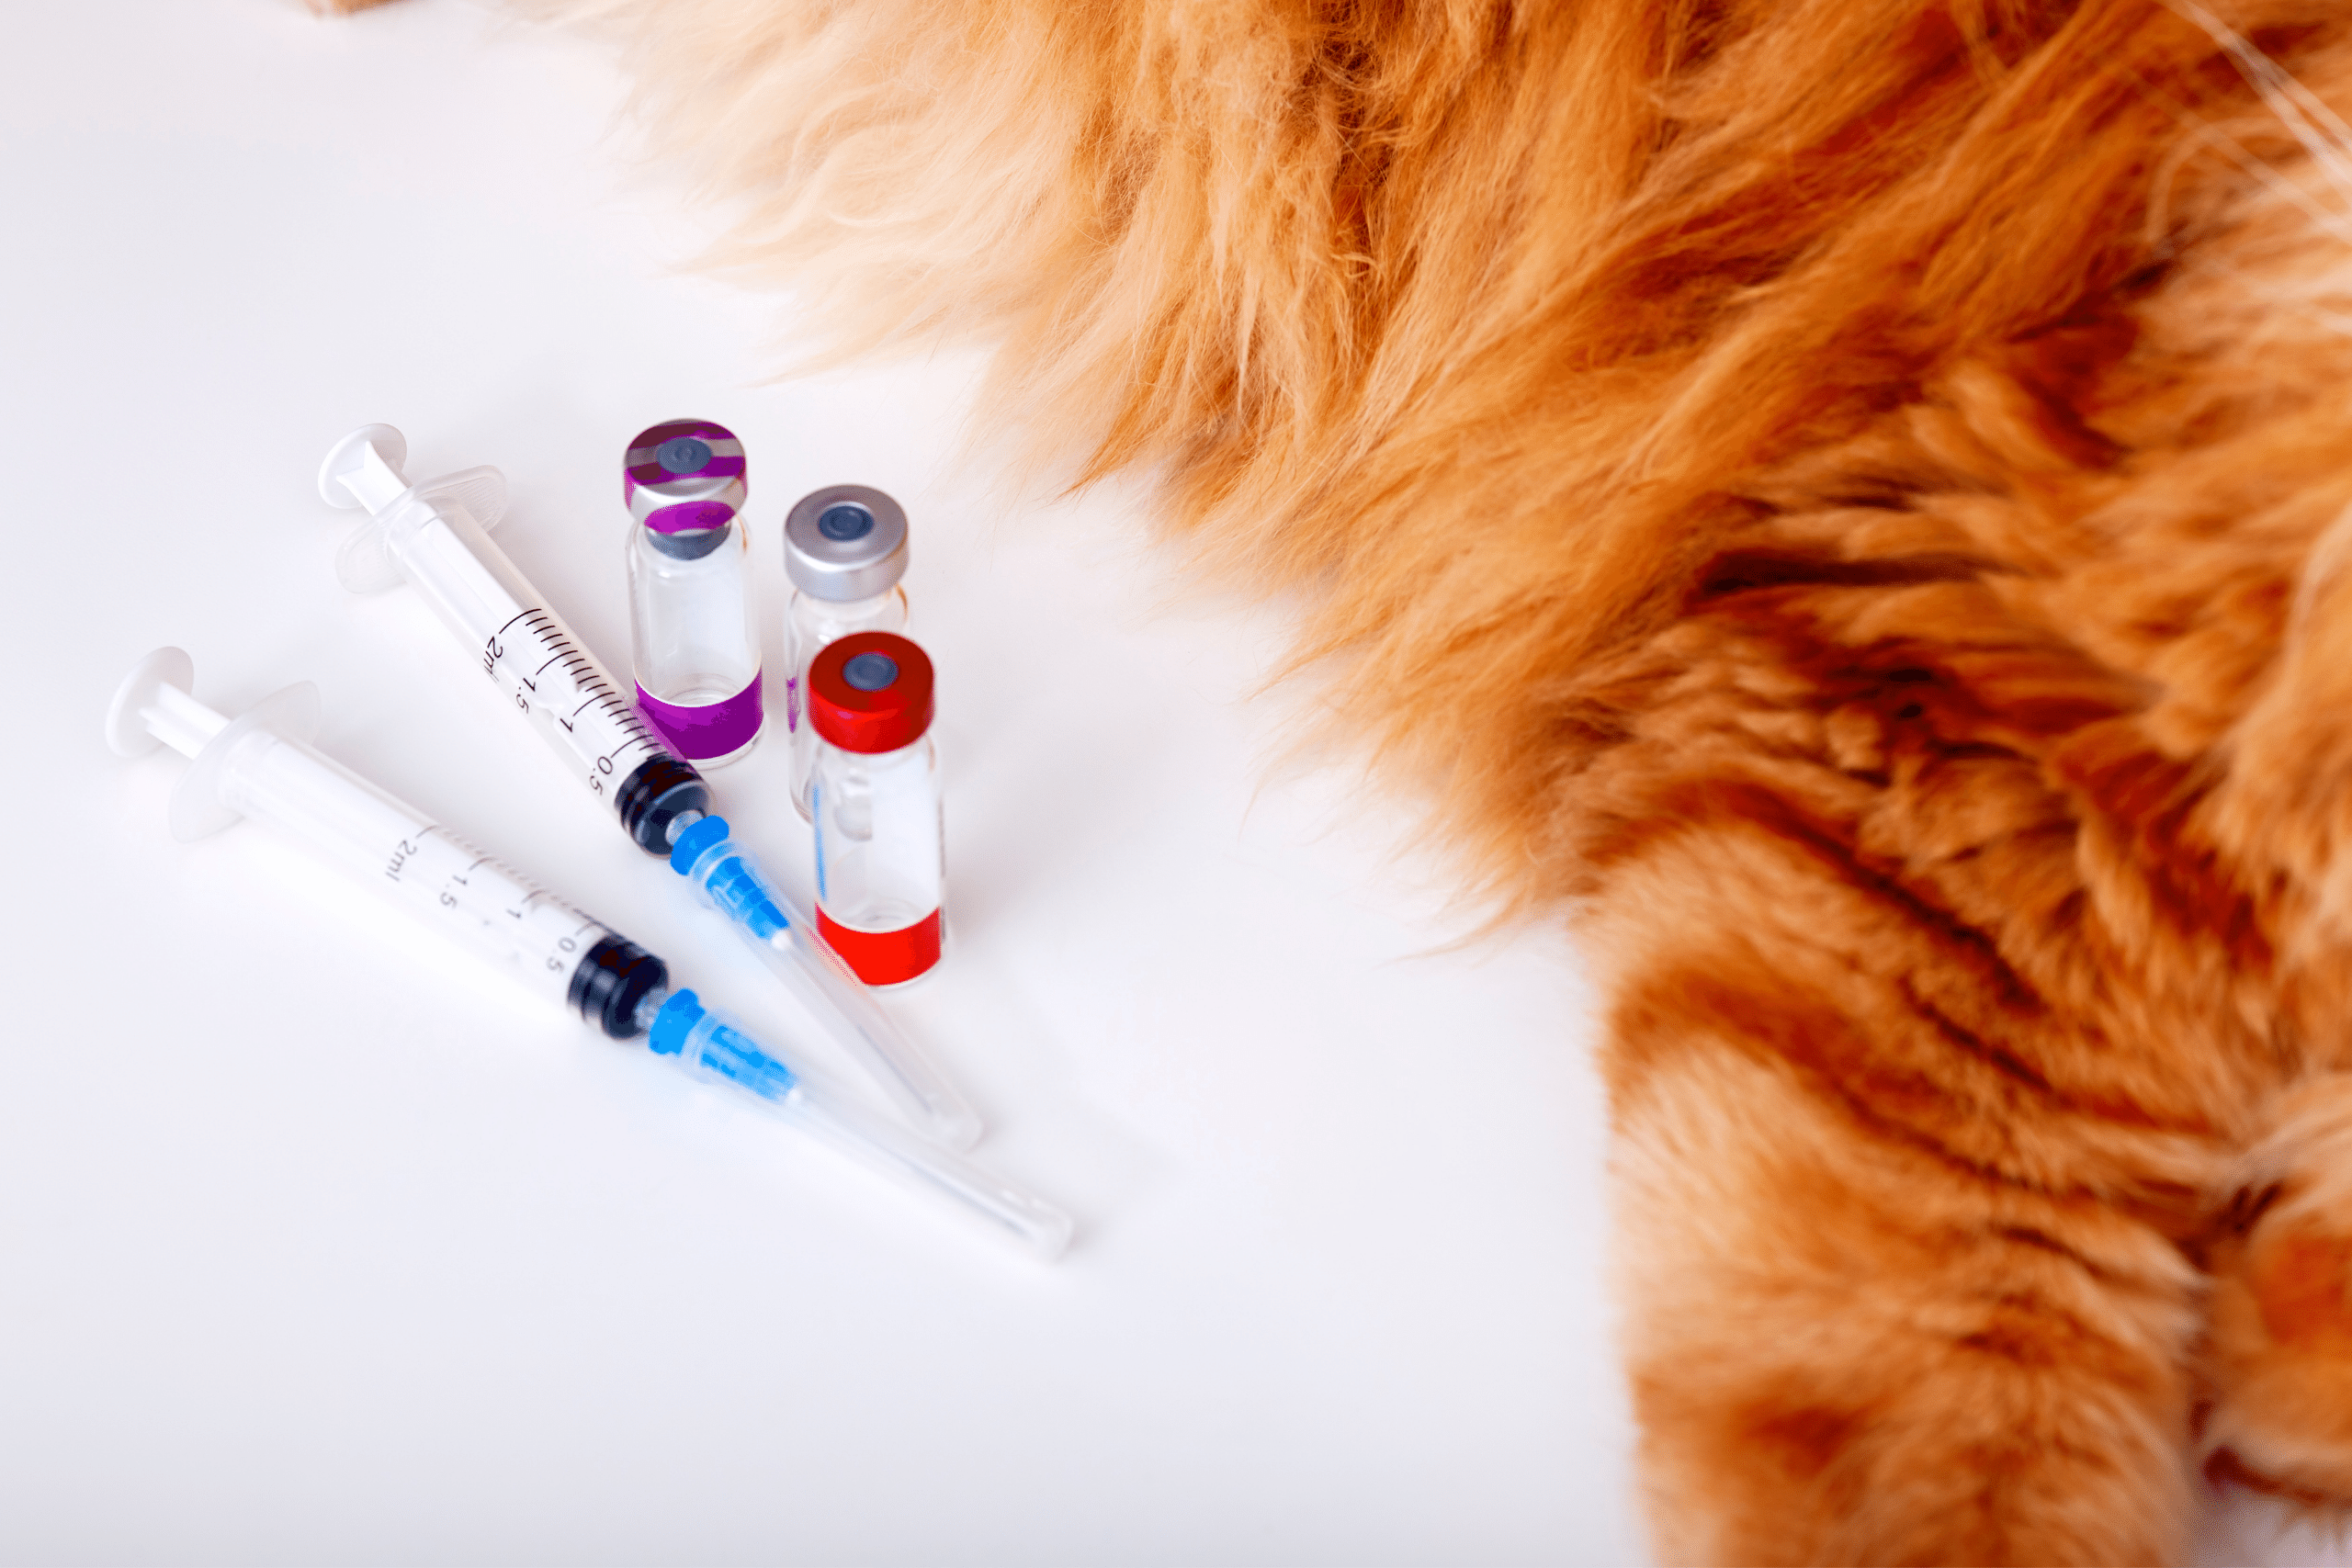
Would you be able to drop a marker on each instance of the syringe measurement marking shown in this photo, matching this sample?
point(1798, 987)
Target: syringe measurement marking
point(585, 674)
point(593, 682)
point(556, 961)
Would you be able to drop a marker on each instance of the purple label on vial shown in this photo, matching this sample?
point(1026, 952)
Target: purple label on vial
point(714, 729)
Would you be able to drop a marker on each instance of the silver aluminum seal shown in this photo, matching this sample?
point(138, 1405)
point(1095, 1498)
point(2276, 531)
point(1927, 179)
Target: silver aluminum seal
point(845, 542)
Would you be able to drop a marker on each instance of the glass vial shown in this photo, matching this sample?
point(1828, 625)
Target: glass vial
point(844, 548)
point(881, 866)
point(693, 626)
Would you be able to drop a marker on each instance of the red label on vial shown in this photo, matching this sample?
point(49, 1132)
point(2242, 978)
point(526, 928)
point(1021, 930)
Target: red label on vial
point(884, 958)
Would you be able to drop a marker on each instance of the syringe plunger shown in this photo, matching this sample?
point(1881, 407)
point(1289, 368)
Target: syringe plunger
point(257, 764)
point(153, 706)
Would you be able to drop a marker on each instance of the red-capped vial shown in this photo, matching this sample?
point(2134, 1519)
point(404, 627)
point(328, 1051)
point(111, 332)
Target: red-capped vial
point(693, 624)
point(874, 791)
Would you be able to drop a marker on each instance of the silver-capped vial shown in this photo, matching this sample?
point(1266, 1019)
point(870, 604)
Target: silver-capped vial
point(844, 550)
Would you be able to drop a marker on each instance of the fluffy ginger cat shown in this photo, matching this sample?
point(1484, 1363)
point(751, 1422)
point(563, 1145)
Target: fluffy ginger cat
point(1845, 502)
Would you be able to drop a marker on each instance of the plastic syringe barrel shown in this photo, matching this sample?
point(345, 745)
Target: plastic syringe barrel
point(725, 877)
point(712, 1045)
point(436, 537)
point(259, 765)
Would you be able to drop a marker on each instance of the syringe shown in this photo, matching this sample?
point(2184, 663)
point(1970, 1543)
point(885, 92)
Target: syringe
point(434, 537)
point(259, 765)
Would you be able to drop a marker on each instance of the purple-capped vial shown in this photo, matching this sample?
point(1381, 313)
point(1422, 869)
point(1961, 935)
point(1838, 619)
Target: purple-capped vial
point(693, 629)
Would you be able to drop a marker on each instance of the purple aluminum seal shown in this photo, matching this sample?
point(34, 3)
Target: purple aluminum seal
point(714, 729)
point(683, 475)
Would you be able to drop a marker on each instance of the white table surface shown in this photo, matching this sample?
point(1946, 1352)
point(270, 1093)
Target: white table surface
point(322, 1242)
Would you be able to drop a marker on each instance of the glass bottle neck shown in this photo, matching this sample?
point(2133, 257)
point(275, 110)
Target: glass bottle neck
point(853, 609)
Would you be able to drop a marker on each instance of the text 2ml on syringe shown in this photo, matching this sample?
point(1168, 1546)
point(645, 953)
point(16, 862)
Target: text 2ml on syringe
point(434, 536)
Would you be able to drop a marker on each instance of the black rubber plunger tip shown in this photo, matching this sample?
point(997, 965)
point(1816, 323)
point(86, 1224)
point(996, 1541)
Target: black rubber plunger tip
point(612, 982)
point(660, 790)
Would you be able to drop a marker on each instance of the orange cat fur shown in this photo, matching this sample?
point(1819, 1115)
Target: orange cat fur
point(1844, 499)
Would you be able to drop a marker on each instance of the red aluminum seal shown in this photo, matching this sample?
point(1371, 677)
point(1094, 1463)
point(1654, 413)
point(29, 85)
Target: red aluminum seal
point(870, 691)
